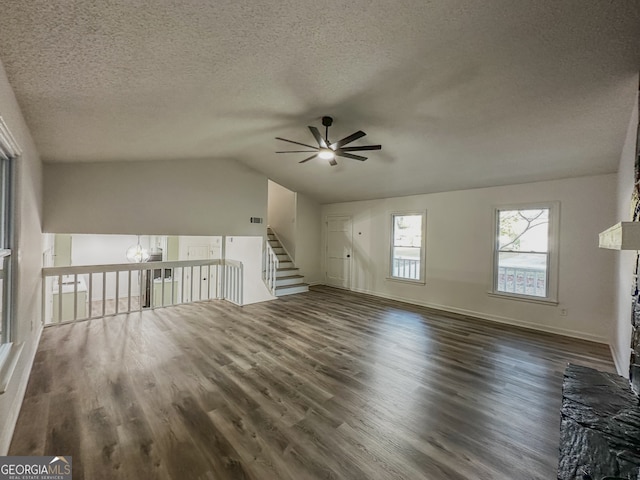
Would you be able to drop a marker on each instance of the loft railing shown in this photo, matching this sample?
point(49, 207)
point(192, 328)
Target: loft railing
point(270, 267)
point(94, 291)
point(232, 282)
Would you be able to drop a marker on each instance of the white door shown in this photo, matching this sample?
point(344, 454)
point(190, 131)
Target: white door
point(62, 250)
point(339, 248)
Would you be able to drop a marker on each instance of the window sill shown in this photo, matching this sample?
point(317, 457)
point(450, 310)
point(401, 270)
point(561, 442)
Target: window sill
point(9, 355)
point(524, 298)
point(406, 280)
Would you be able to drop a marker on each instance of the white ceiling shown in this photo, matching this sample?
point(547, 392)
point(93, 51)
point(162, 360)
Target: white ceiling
point(460, 94)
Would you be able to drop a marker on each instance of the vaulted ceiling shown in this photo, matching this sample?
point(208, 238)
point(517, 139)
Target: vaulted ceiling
point(460, 94)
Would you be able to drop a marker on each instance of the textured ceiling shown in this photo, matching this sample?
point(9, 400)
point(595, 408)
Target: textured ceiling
point(460, 94)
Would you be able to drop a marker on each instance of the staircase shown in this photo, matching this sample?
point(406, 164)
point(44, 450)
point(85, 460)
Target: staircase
point(288, 280)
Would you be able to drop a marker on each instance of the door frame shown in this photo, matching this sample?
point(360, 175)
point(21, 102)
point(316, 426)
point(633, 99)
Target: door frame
point(326, 250)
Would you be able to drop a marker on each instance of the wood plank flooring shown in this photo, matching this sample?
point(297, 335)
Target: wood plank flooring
point(323, 385)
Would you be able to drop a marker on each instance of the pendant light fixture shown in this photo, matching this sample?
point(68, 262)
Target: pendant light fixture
point(137, 254)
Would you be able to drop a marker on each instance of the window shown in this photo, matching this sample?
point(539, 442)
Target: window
point(8, 153)
point(525, 252)
point(407, 246)
point(5, 249)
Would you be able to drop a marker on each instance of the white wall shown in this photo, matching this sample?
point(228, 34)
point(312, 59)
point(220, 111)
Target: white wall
point(281, 216)
point(308, 239)
point(28, 251)
point(459, 253)
point(296, 219)
point(180, 197)
point(624, 260)
point(105, 250)
point(248, 250)
point(102, 249)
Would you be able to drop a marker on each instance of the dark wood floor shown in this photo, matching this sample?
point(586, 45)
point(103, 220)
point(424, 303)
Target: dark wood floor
point(326, 384)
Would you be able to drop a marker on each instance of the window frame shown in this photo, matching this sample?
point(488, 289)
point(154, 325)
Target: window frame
point(9, 350)
point(7, 212)
point(552, 252)
point(422, 278)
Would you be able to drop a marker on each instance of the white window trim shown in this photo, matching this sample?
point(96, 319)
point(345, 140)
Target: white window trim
point(423, 248)
point(6, 253)
point(9, 349)
point(554, 242)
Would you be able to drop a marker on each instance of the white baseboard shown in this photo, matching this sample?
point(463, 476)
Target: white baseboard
point(14, 411)
point(493, 318)
point(616, 359)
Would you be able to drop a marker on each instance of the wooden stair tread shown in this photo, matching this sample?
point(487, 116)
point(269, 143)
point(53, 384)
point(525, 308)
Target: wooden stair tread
point(295, 285)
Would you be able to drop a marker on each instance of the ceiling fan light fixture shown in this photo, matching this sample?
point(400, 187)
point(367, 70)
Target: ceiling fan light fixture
point(326, 154)
point(327, 150)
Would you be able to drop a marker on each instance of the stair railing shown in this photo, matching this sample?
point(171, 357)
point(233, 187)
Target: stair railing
point(275, 234)
point(270, 267)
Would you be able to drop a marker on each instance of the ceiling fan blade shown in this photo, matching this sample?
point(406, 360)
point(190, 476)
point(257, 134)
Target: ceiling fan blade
point(351, 138)
point(333, 162)
point(296, 151)
point(340, 153)
point(318, 137)
point(307, 159)
point(360, 149)
point(297, 143)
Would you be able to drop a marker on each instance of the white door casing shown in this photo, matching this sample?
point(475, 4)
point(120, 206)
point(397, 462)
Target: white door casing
point(339, 249)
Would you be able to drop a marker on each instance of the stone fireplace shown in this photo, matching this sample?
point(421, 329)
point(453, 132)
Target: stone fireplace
point(634, 364)
point(600, 418)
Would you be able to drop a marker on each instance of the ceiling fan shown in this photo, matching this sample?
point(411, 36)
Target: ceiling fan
point(329, 151)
